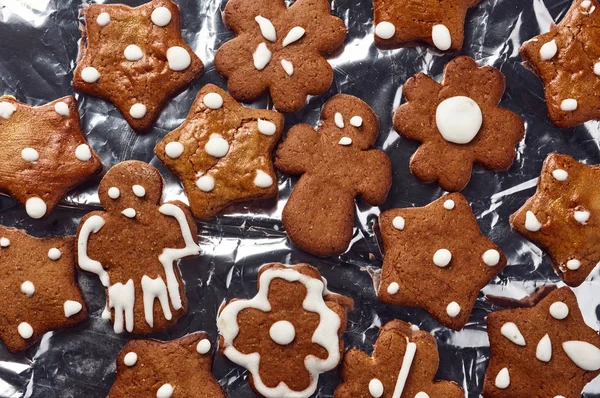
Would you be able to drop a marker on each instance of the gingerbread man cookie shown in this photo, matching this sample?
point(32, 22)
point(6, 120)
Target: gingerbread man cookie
point(222, 153)
point(563, 216)
point(545, 351)
point(278, 49)
point(135, 58)
point(436, 258)
point(403, 364)
point(458, 123)
point(173, 369)
point(336, 165)
point(567, 60)
point(288, 334)
point(44, 153)
point(38, 289)
point(440, 23)
point(134, 247)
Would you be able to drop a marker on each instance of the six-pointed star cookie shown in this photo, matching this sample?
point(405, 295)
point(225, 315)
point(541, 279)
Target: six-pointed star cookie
point(564, 216)
point(222, 153)
point(279, 49)
point(567, 60)
point(439, 23)
point(436, 258)
point(544, 351)
point(38, 289)
point(43, 153)
point(458, 123)
point(135, 58)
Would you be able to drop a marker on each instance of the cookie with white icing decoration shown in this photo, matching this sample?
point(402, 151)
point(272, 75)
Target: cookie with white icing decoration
point(458, 123)
point(286, 335)
point(134, 247)
point(556, 356)
point(403, 364)
point(336, 165)
point(137, 60)
point(45, 153)
point(279, 50)
point(38, 289)
point(224, 152)
point(176, 366)
point(563, 216)
point(439, 261)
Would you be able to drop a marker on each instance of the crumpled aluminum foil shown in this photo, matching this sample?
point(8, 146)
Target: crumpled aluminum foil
point(38, 49)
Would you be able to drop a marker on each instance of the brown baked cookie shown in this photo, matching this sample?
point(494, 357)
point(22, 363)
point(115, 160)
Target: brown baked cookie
point(567, 60)
point(458, 123)
point(564, 216)
point(222, 153)
point(544, 351)
point(134, 247)
point(44, 153)
point(278, 49)
point(135, 58)
point(336, 165)
point(436, 258)
point(438, 23)
point(38, 289)
point(173, 369)
point(403, 364)
point(288, 334)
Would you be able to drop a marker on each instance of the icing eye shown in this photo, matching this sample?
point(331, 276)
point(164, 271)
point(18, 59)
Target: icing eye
point(339, 120)
point(356, 121)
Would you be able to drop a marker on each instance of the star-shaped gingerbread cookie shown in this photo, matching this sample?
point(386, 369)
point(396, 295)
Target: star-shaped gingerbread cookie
point(458, 123)
point(278, 49)
point(222, 153)
point(544, 351)
point(567, 60)
point(135, 58)
point(38, 288)
point(44, 153)
point(564, 216)
point(436, 258)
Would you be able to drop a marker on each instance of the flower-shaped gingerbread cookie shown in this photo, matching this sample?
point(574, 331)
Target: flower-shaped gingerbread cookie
point(436, 258)
point(279, 49)
point(567, 60)
point(336, 164)
point(222, 153)
point(288, 334)
point(135, 58)
point(458, 123)
point(564, 216)
point(544, 351)
point(403, 364)
point(134, 247)
point(44, 153)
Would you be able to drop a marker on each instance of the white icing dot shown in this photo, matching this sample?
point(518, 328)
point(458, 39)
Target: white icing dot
point(573, 264)
point(213, 101)
point(458, 119)
point(282, 332)
point(206, 183)
point(581, 216)
point(293, 35)
point(35, 207)
point(422, 394)
point(585, 4)
point(217, 146)
point(165, 391)
point(597, 68)
point(339, 120)
point(72, 307)
point(453, 309)
point(560, 175)
point(137, 111)
point(583, 354)
point(503, 379)
point(4, 242)
point(385, 30)
point(266, 127)
point(30, 155)
point(161, 16)
point(27, 288)
point(130, 359)
point(262, 179)
point(179, 59)
point(54, 254)
point(261, 56)
point(414, 328)
point(548, 50)
point(129, 212)
point(356, 121)
point(90, 74)
point(393, 288)
point(440, 35)
point(133, 53)
point(114, 193)
point(511, 331)
point(288, 67)
point(25, 330)
point(62, 108)
point(531, 222)
point(543, 351)
point(106, 314)
point(138, 191)
point(266, 28)
point(376, 388)
point(203, 346)
point(449, 204)
point(83, 152)
point(174, 149)
point(398, 223)
point(345, 141)
point(442, 257)
point(559, 310)
point(491, 257)
point(103, 19)
point(568, 105)
point(6, 110)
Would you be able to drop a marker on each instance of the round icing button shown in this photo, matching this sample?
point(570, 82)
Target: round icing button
point(114, 193)
point(4, 242)
point(178, 57)
point(560, 175)
point(491, 257)
point(345, 141)
point(138, 191)
point(83, 152)
point(137, 111)
point(376, 388)
point(71, 308)
point(449, 204)
point(503, 379)
point(385, 30)
point(458, 119)
point(54, 254)
point(206, 183)
point(35, 208)
point(103, 19)
point(422, 394)
point(161, 16)
point(398, 223)
point(548, 50)
point(165, 391)
point(573, 264)
point(213, 100)
point(90, 74)
point(130, 359)
point(62, 108)
point(133, 53)
point(440, 35)
point(282, 332)
point(453, 309)
point(30, 155)
point(27, 288)
point(393, 288)
point(568, 105)
point(442, 258)
point(581, 216)
point(216, 146)
point(25, 330)
point(559, 310)
point(287, 66)
point(203, 346)
point(174, 149)
point(266, 127)
point(597, 68)
point(262, 179)
point(6, 110)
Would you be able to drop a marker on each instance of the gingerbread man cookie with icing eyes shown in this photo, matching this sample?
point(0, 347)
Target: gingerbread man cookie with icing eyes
point(44, 153)
point(134, 247)
point(135, 58)
point(280, 50)
point(458, 123)
point(544, 351)
point(336, 164)
point(222, 153)
point(563, 216)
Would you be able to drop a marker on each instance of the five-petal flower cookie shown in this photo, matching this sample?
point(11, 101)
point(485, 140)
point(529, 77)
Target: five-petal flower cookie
point(43, 152)
point(222, 153)
point(544, 351)
point(134, 247)
point(458, 123)
point(280, 50)
point(564, 216)
point(135, 58)
point(288, 334)
point(436, 258)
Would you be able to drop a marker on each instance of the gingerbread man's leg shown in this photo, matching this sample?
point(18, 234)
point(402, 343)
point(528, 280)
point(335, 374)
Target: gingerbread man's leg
point(121, 297)
point(153, 289)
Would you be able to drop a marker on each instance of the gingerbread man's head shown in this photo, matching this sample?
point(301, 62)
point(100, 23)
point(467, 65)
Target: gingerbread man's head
point(347, 120)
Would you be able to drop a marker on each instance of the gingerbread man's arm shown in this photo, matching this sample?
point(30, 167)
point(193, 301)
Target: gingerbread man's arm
point(294, 155)
point(373, 176)
point(90, 224)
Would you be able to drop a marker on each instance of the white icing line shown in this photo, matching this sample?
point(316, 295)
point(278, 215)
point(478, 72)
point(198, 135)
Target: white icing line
point(409, 356)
